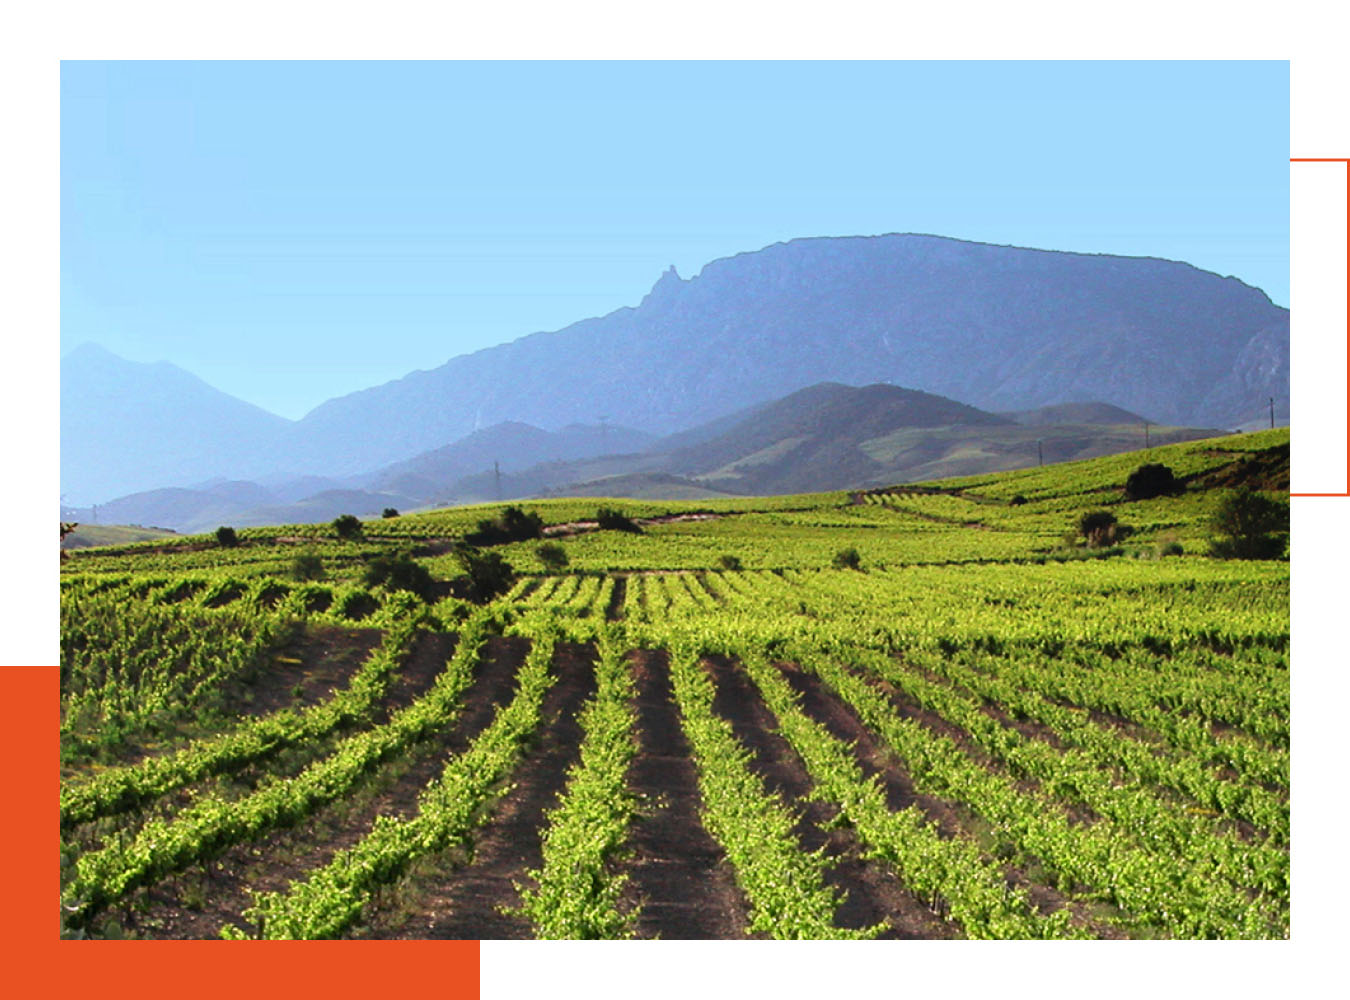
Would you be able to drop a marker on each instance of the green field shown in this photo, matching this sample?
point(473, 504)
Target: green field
point(705, 728)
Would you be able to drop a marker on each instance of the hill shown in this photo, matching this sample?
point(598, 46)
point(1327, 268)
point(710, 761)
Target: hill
point(91, 535)
point(510, 446)
point(832, 436)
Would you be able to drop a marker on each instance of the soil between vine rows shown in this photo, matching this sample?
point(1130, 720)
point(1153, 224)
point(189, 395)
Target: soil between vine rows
point(679, 885)
point(676, 872)
point(448, 899)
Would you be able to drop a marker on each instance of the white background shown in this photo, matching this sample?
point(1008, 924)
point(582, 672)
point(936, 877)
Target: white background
point(37, 37)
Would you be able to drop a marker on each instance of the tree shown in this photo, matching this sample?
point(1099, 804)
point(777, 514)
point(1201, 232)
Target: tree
point(512, 525)
point(390, 512)
point(729, 562)
point(1152, 480)
point(613, 519)
point(847, 559)
point(399, 571)
point(226, 537)
point(347, 527)
point(1099, 528)
point(1249, 525)
point(553, 556)
point(486, 575)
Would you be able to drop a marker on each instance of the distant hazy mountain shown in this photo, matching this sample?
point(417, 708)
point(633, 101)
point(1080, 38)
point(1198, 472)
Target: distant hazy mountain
point(239, 505)
point(823, 437)
point(510, 446)
point(832, 436)
point(1075, 413)
point(128, 426)
point(1001, 328)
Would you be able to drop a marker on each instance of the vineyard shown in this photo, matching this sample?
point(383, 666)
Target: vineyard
point(713, 725)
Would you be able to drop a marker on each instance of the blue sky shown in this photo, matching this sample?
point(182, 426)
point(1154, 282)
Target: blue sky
point(295, 231)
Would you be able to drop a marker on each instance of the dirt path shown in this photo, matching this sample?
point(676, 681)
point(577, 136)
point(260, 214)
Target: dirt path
point(676, 871)
point(467, 902)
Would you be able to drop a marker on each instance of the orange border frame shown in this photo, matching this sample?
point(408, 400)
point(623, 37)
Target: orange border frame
point(1346, 161)
point(40, 965)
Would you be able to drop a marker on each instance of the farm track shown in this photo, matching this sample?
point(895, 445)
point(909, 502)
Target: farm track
point(467, 900)
point(876, 758)
point(272, 862)
point(678, 879)
point(869, 893)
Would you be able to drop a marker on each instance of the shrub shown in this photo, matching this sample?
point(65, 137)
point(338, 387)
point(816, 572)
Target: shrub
point(399, 571)
point(226, 537)
point(390, 512)
point(728, 561)
point(486, 575)
point(1100, 529)
point(1169, 549)
point(347, 527)
point(847, 559)
point(512, 525)
point(1149, 481)
point(1249, 526)
point(552, 555)
point(307, 566)
point(355, 605)
point(613, 519)
point(1017, 500)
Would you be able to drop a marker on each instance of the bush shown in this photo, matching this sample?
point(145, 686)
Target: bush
point(1249, 526)
point(612, 519)
point(552, 555)
point(1017, 500)
point(399, 571)
point(226, 537)
point(486, 575)
point(1100, 529)
point(512, 525)
point(1149, 481)
point(390, 512)
point(1169, 549)
point(347, 527)
point(307, 566)
point(729, 561)
point(355, 605)
point(847, 559)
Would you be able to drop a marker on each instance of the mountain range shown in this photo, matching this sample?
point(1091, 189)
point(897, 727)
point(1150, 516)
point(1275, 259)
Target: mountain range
point(827, 436)
point(1002, 329)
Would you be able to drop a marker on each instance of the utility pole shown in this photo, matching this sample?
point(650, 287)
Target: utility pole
point(1040, 455)
point(497, 477)
point(1272, 412)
